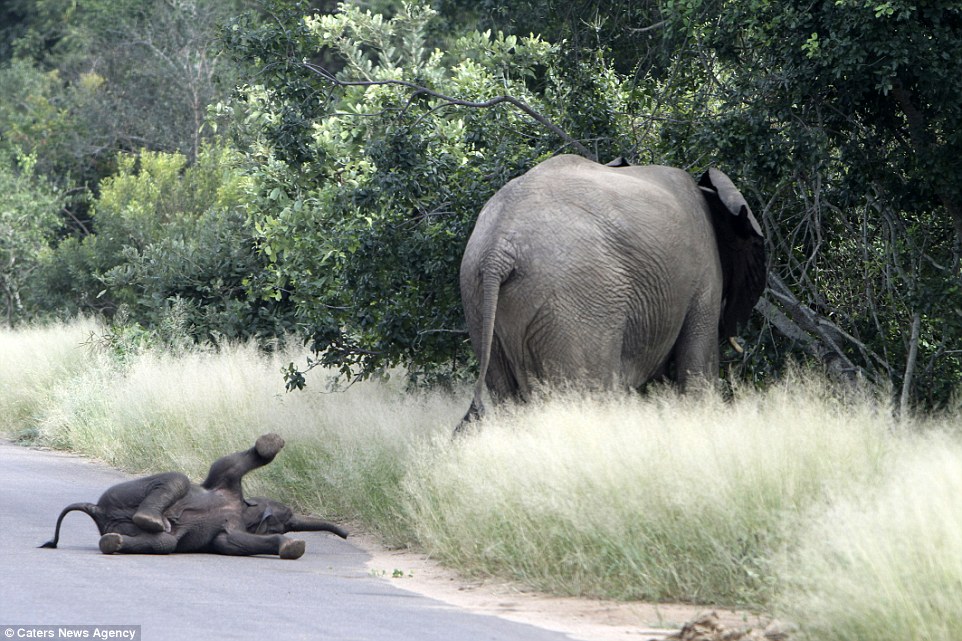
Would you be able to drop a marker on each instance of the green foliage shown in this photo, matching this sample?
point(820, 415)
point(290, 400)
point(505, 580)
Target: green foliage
point(625, 31)
point(171, 242)
point(83, 81)
point(98, 77)
point(363, 200)
point(29, 208)
point(160, 67)
point(838, 118)
point(842, 117)
point(53, 120)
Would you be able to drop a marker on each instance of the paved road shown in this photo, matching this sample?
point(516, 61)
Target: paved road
point(326, 594)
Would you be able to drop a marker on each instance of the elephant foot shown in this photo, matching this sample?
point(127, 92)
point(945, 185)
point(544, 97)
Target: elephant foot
point(292, 549)
point(111, 543)
point(475, 413)
point(150, 521)
point(269, 445)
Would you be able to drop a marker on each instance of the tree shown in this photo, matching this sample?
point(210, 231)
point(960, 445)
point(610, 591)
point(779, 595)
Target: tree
point(44, 117)
point(162, 69)
point(844, 114)
point(366, 182)
point(121, 76)
point(29, 208)
point(628, 32)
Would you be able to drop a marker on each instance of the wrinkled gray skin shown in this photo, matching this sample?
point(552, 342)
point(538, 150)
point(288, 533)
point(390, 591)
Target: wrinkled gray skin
point(166, 513)
point(607, 275)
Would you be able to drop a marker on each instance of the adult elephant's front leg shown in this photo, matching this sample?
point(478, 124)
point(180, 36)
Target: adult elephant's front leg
point(241, 543)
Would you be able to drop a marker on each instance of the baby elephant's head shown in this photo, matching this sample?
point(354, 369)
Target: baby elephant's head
point(264, 516)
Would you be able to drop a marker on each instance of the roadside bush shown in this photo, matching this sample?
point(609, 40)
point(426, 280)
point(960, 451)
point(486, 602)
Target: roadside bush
point(28, 222)
point(172, 245)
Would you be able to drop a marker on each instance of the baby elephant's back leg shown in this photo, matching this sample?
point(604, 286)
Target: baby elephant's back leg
point(163, 491)
point(146, 543)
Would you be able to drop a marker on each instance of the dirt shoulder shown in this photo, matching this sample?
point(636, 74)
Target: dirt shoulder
point(586, 619)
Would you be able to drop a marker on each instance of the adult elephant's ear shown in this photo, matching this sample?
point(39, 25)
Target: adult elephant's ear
point(741, 247)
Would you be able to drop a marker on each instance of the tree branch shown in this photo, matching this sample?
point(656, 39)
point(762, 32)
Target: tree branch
point(77, 221)
point(419, 90)
point(910, 363)
point(657, 25)
point(820, 337)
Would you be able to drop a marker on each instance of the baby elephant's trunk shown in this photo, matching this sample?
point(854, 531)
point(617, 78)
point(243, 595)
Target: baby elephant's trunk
point(91, 509)
point(311, 524)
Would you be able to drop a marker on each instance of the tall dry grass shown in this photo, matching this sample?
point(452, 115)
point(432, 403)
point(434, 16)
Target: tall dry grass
point(664, 498)
point(885, 564)
point(34, 362)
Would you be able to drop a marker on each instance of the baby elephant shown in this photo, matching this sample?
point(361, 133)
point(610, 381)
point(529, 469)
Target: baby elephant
point(166, 513)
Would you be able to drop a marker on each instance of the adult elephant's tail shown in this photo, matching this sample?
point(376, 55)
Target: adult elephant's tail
point(491, 278)
point(91, 509)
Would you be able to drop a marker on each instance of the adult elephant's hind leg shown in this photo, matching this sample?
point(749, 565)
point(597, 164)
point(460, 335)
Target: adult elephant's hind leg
point(242, 543)
point(696, 352)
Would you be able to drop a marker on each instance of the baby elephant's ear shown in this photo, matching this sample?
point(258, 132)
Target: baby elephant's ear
point(741, 248)
point(265, 525)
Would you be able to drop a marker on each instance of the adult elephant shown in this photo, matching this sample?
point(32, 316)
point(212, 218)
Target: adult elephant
point(607, 274)
point(166, 513)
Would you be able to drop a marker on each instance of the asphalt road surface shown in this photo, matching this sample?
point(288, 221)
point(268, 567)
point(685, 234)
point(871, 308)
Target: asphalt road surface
point(326, 594)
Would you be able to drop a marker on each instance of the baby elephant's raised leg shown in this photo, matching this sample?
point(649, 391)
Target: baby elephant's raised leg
point(226, 472)
point(241, 543)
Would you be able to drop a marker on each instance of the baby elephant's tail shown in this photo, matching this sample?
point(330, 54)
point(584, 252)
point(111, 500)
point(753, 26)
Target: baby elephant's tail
point(91, 509)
